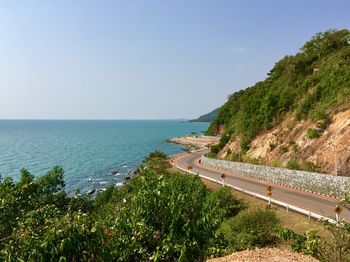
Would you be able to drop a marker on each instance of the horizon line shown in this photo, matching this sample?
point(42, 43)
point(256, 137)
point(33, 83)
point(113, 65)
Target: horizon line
point(89, 119)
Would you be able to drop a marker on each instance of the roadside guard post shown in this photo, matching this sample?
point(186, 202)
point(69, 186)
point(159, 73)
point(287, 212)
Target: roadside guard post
point(223, 176)
point(269, 193)
point(337, 211)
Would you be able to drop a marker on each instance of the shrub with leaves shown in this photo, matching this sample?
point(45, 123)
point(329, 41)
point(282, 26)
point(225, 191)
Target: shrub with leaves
point(293, 164)
point(250, 229)
point(157, 162)
point(171, 218)
point(335, 248)
point(312, 133)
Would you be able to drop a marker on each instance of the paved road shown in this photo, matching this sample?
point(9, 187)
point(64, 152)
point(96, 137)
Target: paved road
point(318, 204)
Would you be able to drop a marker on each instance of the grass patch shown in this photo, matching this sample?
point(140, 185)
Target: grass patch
point(312, 133)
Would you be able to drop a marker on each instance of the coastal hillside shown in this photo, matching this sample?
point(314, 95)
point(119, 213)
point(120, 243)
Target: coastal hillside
point(210, 117)
point(299, 116)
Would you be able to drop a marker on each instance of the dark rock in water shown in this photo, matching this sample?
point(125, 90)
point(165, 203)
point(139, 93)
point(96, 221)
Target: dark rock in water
point(127, 178)
point(114, 173)
point(102, 189)
point(133, 172)
point(91, 192)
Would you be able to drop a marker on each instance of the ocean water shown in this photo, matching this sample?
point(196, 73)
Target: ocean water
point(89, 151)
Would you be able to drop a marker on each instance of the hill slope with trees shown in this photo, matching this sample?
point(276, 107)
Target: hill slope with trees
point(210, 117)
point(310, 87)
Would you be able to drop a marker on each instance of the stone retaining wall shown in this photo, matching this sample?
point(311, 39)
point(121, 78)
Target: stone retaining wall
point(315, 182)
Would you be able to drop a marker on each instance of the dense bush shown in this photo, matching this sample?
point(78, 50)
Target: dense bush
point(250, 229)
point(225, 138)
point(292, 164)
point(170, 219)
point(39, 222)
point(29, 194)
point(305, 165)
point(312, 133)
point(311, 167)
point(157, 162)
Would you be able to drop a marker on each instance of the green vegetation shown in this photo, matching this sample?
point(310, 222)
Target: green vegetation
point(207, 117)
point(252, 160)
point(333, 246)
point(310, 85)
point(276, 163)
point(312, 133)
point(311, 243)
point(305, 165)
point(157, 216)
point(223, 141)
point(283, 149)
point(311, 167)
point(295, 148)
point(272, 146)
point(156, 162)
point(249, 229)
point(292, 164)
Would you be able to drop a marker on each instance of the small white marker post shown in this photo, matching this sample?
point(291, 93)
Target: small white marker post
point(269, 193)
point(337, 211)
point(223, 176)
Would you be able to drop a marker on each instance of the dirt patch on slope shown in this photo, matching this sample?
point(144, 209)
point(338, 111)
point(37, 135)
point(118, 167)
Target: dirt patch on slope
point(264, 255)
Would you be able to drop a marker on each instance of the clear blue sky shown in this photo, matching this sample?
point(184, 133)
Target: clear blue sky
point(145, 59)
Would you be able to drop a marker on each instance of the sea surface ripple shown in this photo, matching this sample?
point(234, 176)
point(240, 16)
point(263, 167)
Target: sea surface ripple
point(89, 151)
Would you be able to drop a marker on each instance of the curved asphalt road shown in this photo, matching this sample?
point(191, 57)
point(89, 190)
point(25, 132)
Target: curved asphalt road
point(318, 204)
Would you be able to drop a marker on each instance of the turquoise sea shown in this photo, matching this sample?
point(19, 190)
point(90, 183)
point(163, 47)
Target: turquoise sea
point(89, 151)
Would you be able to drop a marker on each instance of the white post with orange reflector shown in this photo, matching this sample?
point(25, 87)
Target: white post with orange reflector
point(269, 193)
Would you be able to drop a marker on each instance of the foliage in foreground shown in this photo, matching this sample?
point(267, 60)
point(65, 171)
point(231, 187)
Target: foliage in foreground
point(155, 217)
point(336, 248)
point(250, 229)
point(170, 219)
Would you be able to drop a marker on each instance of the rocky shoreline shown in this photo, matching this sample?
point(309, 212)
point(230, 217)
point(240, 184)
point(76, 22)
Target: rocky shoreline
point(191, 143)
